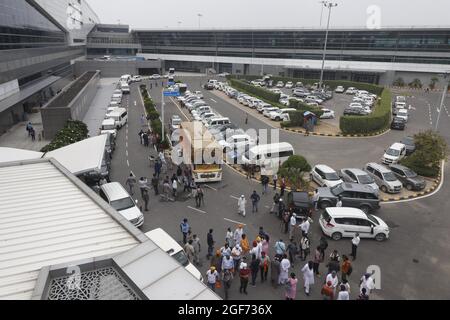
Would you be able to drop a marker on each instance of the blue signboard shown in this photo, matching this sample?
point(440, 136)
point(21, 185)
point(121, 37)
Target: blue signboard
point(171, 93)
point(171, 83)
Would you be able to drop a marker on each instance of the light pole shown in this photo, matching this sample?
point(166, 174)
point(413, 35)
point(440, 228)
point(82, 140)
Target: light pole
point(321, 11)
point(444, 93)
point(328, 5)
point(199, 17)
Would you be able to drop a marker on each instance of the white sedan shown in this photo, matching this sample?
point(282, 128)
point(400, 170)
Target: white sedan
point(327, 114)
point(267, 111)
point(402, 113)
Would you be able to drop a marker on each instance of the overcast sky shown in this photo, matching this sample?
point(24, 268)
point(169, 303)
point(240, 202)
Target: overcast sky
point(151, 14)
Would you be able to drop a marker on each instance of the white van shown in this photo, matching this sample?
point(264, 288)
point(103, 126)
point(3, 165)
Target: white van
point(116, 195)
point(214, 121)
point(268, 155)
point(125, 78)
point(109, 126)
point(120, 116)
point(117, 97)
point(125, 88)
point(163, 240)
point(110, 110)
point(394, 154)
point(114, 104)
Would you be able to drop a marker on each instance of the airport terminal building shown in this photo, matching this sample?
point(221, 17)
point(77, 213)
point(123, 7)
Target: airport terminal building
point(374, 56)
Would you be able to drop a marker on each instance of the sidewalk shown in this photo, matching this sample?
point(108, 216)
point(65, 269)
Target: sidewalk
point(17, 136)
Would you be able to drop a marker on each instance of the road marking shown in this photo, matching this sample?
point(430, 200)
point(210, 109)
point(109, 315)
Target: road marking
point(176, 104)
point(126, 144)
point(126, 152)
point(128, 163)
point(210, 187)
point(234, 197)
point(135, 103)
point(237, 222)
point(213, 100)
point(198, 210)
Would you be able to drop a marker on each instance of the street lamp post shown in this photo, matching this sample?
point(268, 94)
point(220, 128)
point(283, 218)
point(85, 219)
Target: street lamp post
point(199, 17)
point(328, 5)
point(321, 11)
point(444, 93)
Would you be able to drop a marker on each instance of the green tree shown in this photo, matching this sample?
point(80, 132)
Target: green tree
point(399, 82)
point(433, 82)
point(294, 169)
point(416, 83)
point(431, 149)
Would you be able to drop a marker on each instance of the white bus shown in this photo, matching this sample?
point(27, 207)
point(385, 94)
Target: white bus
point(267, 156)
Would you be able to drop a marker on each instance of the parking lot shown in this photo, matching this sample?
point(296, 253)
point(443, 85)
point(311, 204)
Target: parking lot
point(410, 222)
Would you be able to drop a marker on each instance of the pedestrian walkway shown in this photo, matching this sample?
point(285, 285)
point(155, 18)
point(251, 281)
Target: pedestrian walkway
point(17, 136)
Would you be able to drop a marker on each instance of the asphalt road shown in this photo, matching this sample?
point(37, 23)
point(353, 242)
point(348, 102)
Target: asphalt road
point(413, 261)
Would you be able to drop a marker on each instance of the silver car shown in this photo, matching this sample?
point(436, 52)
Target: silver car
point(355, 175)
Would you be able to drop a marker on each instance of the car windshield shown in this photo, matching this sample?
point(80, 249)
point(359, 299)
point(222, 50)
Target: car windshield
point(393, 152)
point(408, 141)
point(409, 173)
point(332, 176)
point(122, 204)
point(389, 176)
point(337, 190)
point(181, 258)
point(365, 179)
point(372, 219)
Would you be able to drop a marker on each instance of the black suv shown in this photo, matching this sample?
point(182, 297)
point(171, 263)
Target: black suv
point(350, 111)
point(409, 179)
point(398, 123)
point(353, 195)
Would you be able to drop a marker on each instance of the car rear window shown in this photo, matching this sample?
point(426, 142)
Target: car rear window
point(326, 216)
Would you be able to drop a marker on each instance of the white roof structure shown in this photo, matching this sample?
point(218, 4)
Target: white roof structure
point(47, 219)
point(12, 154)
point(81, 157)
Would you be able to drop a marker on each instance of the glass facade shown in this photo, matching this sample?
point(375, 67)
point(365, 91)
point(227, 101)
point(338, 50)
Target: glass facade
point(302, 44)
point(22, 26)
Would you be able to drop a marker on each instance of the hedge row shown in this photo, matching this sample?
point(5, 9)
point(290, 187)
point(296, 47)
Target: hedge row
point(154, 117)
point(332, 84)
point(74, 131)
point(377, 121)
point(261, 93)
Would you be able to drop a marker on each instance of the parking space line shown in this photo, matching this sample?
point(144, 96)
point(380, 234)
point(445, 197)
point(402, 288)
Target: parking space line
point(234, 197)
point(237, 222)
point(176, 104)
point(128, 163)
point(210, 187)
point(126, 152)
point(198, 210)
point(213, 100)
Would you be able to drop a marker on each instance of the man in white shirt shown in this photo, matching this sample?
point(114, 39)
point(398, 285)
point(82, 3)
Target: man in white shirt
point(343, 293)
point(292, 225)
point(355, 243)
point(332, 277)
point(367, 282)
point(236, 254)
point(211, 277)
point(227, 263)
point(339, 203)
point(305, 226)
point(238, 234)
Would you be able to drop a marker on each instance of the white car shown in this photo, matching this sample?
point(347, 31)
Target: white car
point(275, 90)
point(223, 74)
point(263, 106)
point(155, 76)
point(136, 79)
point(198, 94)
point(267, 111)
point(239, 141)
point(394, 154)
point(402, 113)
point(205, 116)
point(325, 176)
point(345, 222)
point(339, 89)
point(284, 102)
point(280, 84)
point(327, 114)
point(351, 90)
point(289, 85)
point(281, 114)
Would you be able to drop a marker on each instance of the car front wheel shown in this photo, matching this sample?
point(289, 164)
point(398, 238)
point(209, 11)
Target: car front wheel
point(336, 236)
point(409, 187)
point(380, 237)
point(384, 189)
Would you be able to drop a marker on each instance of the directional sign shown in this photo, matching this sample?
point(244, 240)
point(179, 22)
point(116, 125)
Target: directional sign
point(171, 93)
point(171, 83)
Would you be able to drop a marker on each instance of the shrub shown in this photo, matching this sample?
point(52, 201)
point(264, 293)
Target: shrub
point(399, 82)
point(152, 115)
point(431, 149)
point(294, 169)
point(416, 83)
point(261, 93)
point(74, 131)
point(377, 121)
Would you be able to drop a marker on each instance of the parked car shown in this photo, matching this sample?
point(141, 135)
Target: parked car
point(280, 84)
point(136, 79)
point(353, 195)
point(325, 176)
point(351, 90)
point(398, 123)
point(175, 122)
point(155, 76)
point(410, 144)
point(327, 114)
point(299, 84)
point(409, 179)
point(354, 111)
point(384, 178)
point(289, 85)
point(301, 93)
point(395, 153)
point(281, 114)
point(339, 89)
point(402, 113)
point(263, 106)
point(355, 175)
point(267, 111)
point(346, 222)
point(300, 203)
point(199, 94)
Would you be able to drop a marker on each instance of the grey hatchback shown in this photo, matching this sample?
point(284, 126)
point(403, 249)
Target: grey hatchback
point(409, 179)
point(352, 195)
